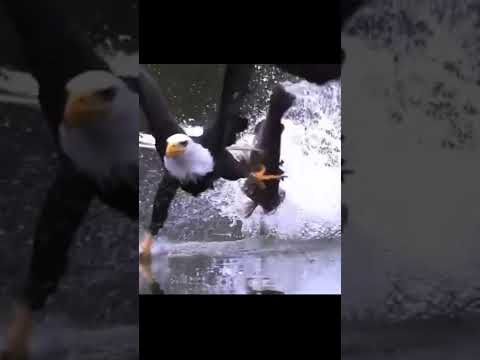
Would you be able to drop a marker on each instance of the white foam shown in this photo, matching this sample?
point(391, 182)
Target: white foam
point(194, 130)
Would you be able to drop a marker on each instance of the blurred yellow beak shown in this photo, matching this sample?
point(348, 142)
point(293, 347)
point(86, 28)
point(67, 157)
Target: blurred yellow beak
point(174, 150)
point(81, 110)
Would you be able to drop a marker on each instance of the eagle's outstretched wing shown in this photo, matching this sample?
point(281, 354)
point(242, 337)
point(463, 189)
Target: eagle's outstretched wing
point(154, 105)
point(222, 131)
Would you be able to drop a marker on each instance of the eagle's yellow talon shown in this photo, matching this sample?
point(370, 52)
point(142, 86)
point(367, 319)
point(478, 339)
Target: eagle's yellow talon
point(260, 175)
point(145, 248)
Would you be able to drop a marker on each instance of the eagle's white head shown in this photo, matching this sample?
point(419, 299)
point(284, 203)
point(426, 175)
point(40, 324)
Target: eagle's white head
point(186, 159)
point(91, 96)
point(101, 122)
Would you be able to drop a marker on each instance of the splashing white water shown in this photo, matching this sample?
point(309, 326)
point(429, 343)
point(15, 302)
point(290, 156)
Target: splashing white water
point(311, 155)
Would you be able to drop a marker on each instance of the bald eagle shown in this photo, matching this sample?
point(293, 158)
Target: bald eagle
point(195, 163)
point(268, 137)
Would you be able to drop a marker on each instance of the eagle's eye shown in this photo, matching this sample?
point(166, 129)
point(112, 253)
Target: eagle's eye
point(107, 94)
point(184, 143)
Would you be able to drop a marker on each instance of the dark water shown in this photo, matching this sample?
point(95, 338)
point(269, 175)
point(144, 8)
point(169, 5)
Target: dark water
point(193, 90)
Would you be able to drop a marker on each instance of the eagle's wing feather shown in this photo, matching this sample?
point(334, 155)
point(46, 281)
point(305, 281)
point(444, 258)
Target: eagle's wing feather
point(165, 194)
point(154, 106)
point(222, 131)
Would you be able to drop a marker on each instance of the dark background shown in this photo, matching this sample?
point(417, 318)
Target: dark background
point(242, 325)
point(103, 20)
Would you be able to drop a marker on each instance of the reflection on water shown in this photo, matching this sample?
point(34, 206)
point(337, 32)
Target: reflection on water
point(243, 267)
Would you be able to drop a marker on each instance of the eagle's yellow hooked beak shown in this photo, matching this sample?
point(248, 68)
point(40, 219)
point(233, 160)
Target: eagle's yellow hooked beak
point(174, 150)
point(83, 109)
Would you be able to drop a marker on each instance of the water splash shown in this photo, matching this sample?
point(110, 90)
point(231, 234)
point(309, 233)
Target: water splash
point(311, 155)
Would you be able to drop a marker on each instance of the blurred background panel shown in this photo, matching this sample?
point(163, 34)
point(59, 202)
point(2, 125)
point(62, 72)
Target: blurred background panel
point(101, 285)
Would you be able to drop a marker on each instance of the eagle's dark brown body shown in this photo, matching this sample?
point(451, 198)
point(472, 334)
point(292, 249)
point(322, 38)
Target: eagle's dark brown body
point(268, 139)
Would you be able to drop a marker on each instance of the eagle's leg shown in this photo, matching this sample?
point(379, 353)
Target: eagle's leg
point(18, 335)
point(145, 248)
point(261, 176)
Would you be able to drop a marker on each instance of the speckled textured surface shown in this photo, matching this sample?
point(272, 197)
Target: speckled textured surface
point(100, 287)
